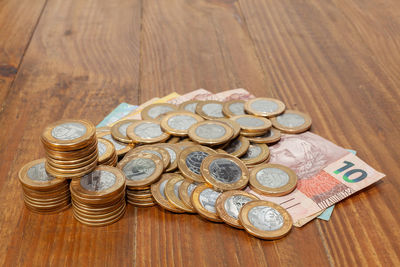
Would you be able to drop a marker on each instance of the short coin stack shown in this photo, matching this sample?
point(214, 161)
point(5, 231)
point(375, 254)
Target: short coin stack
point(71, 148)
point(107, 153)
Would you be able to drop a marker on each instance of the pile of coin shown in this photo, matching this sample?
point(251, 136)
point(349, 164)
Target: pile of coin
point(98, 198)
point(71, 148)
point(107, 153)
point(43, 193)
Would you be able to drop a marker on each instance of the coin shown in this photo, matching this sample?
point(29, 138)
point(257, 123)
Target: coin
point(120, 148)
point(233, 108)
point(73, 155)
point(157, 110)
point(185, 192)
point(173, 152)
point(203, 201)
point(210, 132)
point(190, 159)
point(210, 109)
point(141, 169)
point(253, 124)
point(177, 123)
point(292, 122)
point(266, 107)
point(160, 152)
point(106, 150)
point(68, 167)
point(271, 136)
point(99, 222)
point(229, 203)
point(256, 153)
point(158, 193)
point(141, 205)
point(118, 131)
point(265, 220)
point(103, 129)
point(173, 140)
point(273, 179)
point(234, 125)
point(237, 147)
point(189, 105)
point(172, 192)
point(63, 171)
point(146, 131)
point(53, 211)
point(224, 172)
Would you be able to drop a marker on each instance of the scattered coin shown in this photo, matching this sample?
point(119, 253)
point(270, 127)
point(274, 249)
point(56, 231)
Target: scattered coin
point(155, 149)
point(203, 201)
point(173, 151)
point(156, 111)
point(120, 148)
point(185, 192)
point(118, 131)
point(146, 131)
point(107, 153)
point(256, 154)
point(210, 132)
point(237, 147)
point(292, 122)
point(234, 125)
point(172, 192)
point(271, 136)
point(158, 192)
point(266, 107)
point(178, 123)
point(252, 124)
point(189, 105)
point(233, 108)
point(210, 109)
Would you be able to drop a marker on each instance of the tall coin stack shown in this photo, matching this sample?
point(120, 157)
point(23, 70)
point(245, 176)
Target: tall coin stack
point(71, 148)
point(98, 198)
point(43, 193)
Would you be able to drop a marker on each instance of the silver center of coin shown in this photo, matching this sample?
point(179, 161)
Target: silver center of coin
point(210, 131)
point(172, 154)
point(263, 105)
point(152, 152)
point(290, 120)
point(265, 218)
point(162, 188)
point(213, 110)
point(191, 107)
point(234, 203)
point(194, 160)
point(156, 111)
point(272, 177)
point(249, 122)
point(252, 152)
point(139, 169)
point(181, 122)
point(191, 187)
point(207, 199)
point(38, 173)
point(176, 188)
point(98, 180)
point(237, 108)
point(148, 130)
point(233, 146)
point(225, 171)
point(122, 128)
point(68, 131)
point(118, 145)
point(102, 148)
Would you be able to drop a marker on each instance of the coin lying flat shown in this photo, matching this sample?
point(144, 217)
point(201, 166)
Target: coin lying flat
point(265, 220)
point(271, 136)
point(203, 201)
point(210, 109)
point(237, 147)
point(266, 107)
point(155, 149)
point(103, 129)
point(229, 203)
point(234, 125)
point(173, 152)
point(185, 192)
point(250, 123)
point(256, 153)
point(190, 159)
point(178, 123)
point(118, 131)
point(156, 111)
point(172, 192)
point(233, 108)
point(158, 192)
point(210, 132)
point(273, 179)
point(292, 122)
point(189, 105)
point(146, 131)
point(120, 148)
point(224, 172)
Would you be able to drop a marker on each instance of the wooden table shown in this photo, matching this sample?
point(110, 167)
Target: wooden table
point(337, 60)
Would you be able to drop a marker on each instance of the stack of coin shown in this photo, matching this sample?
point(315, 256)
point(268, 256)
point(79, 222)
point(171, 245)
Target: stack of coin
point(43, 193)
point(252, 126)
point(98, 198)
point(107, 153)
point(71, 148)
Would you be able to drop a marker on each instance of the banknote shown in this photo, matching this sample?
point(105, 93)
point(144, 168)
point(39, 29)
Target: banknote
point(326, 174)
point(120, 111)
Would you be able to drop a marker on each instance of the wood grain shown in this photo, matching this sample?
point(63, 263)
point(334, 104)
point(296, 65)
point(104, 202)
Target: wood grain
point(337, 60)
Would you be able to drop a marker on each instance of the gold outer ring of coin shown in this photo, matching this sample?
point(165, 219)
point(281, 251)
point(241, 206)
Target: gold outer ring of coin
point(184, 104)
point(48, 198)
point(152, 178)
point(172, 164)
point(245, 143)
point(269, 235)
point(49, 206)
point(220, 206)
point(226, 110)
point(103, 129)
point(184, 194)
point(130, 132)
point(145, 112)
point(160, 199)
point(76, 143)
point(116, 133)
point(233, 124)
point(205, 172)
point(293, 130)
point(110, 150)
point(141, 205)
point(173, 140)
point(264, 155)
point(208, 141)
point(200, 111)
point(249, 109)
point(73, 154)
point(249, 135)
point(256, 129)
point(186, 172)
point(34, 184)
point(275, 137)
point(172, 197)
point(177, 132)
point(198, 207)
point(121, 152)
point(48, 202)
point(269, 191)
point(155, 148)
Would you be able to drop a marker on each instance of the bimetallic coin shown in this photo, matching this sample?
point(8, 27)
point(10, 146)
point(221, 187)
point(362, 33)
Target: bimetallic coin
point(265, 220)
point(118, 131)
point(210, 132)
point(185, 192)
point(271, 136)
point(158, 192)
point(155, 149)
point(256, 153)
point(190, 159)
point(173, 152)
point(105, 149)
point(266, 107)
point(210, 109)
point(178, 123)
point(147, 132)
point(224, 172)
point(156, 111)
point(292, 122)
point(233, 108)
point(273, 179)
point(120, 148)
point(103, 129)
point(229, 203)
point(203, 201)
point(252, 124)
point(237, 147)
point(189, 105)
point(234, 125)
point(172, 192)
